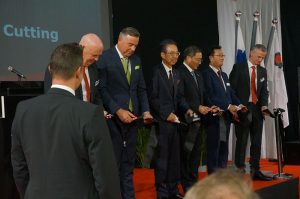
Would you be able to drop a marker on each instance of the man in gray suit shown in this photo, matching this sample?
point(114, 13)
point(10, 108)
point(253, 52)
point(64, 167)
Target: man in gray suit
point(60, 145)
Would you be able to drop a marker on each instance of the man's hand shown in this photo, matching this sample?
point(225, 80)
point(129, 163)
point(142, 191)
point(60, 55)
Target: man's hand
point(265, 112)
point(107, 116)
point(236, 117)
point(147, 117)
point(242, 108)
point(204, 109)
point(215, 110)
point(232, 109)
point(172, 118)
point(125, 116)
point(190, 113)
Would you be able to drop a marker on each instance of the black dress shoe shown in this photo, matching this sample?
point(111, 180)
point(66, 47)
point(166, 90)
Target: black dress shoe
point(258, 175)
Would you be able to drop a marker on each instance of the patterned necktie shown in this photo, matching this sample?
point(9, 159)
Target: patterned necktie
point(221, 79)
point(87, 85)
point(194, 76)
point(253, 85)
point(125, 63)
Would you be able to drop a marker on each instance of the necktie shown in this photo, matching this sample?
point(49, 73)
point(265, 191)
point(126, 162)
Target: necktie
point(220, 77)
point(171, 82)
point(125, 63)
point(87, 85)
point(126, 69)
point(253, 86)
point(194, 76)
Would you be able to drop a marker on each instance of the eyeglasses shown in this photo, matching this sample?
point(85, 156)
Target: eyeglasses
point(220, 55)
point(173, 53)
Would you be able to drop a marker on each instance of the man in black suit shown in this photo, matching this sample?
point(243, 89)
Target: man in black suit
point(249, 80)
point(60, 145)
point(165, 102)
point(123, 91)
point(197, 100)
point(88, 91)
point(218, 126)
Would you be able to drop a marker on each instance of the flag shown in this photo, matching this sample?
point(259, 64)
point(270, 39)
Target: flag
point(258, 40)
point(275, 72)
point(240, 51)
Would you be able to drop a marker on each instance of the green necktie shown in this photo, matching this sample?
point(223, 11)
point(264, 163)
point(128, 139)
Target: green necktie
point(125, 64)
point(126, 68)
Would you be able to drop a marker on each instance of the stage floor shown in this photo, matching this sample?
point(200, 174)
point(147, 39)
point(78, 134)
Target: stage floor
point(144, 182)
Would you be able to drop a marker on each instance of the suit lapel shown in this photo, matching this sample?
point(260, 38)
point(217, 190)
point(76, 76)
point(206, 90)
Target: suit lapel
point(164, 77)
point(258, 81)
point(191, 78)
point(246, 75)
point(117, 62)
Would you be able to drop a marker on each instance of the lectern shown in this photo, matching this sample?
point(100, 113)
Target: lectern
point(11, 93)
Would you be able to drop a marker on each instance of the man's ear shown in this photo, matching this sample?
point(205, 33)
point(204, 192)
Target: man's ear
point(78, 73)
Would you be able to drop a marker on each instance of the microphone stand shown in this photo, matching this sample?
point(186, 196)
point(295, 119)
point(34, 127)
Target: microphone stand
point(278, 115)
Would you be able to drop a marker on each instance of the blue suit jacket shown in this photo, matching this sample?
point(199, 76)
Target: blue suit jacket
point(216, 92)
point(114, 87)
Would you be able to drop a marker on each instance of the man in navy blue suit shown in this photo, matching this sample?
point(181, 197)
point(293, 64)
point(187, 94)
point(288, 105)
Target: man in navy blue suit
point(165, 101)
point(124, 95)
point(221, 94)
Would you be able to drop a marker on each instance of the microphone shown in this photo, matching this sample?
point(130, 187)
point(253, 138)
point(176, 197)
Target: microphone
point(11, 69)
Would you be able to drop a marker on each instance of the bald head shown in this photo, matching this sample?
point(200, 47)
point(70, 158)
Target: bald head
point(92, 48)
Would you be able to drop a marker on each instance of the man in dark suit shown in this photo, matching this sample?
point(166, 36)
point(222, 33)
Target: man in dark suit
point(165, 102)
point(197, 100)
point(249, 80)
point(60, 145)
point(124, 95)
point(88, 91)
point(221, 94)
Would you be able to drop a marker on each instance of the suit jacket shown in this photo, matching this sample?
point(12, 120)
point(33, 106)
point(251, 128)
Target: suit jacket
point(94, 83)
point(62, 150)
point(240, 82)
point(216, 92)
point(194, 95)
point(161, 100)
point(114, 87)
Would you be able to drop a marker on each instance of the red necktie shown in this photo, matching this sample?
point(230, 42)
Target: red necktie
point(87, 85)
point(253, 87)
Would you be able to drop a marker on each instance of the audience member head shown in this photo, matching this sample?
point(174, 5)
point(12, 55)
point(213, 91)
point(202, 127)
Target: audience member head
point(92, 48)
point(257, 53)
point(128, 41)
point(216, 56)
point(192, 56)
point(65, 65)
point(169, 52)
point(223, 184)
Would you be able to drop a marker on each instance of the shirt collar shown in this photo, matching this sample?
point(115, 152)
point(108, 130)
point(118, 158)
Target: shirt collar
point(250, 64)
point(214, 69)
point(187, 66)
point(166, 68)
point(120, 54)
point(64, 88)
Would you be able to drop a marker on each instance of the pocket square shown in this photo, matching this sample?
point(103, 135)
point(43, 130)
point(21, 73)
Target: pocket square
point(227, 84)
point(137, 67)
point(262, 79)
point(97, 82)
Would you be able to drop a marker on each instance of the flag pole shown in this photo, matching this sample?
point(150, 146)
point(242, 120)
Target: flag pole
point(237, 21)
point(274, 23)
point(254, 28)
